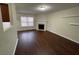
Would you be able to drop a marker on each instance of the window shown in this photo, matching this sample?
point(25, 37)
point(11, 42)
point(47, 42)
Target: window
point(27, 21)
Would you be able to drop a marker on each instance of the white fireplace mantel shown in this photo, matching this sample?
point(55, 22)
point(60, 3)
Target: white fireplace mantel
point(41, 22)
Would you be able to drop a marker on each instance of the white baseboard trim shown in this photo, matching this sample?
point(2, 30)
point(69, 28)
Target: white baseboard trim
point(15, 47)
point(20, 29)
point(25, 29)
point(64, 36)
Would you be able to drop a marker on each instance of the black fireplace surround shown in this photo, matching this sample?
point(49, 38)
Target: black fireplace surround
point(41, 26)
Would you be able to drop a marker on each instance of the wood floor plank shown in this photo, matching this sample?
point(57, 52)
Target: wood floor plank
point(44, 43)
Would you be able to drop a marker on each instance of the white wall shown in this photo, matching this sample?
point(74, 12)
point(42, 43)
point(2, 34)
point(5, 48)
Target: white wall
point(1, 29)
point(19, 22)
point(41, 18)
point(8, 39)
point(59, 23)
point(8, 42)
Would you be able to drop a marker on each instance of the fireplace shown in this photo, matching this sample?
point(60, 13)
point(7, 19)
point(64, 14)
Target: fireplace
point(41, 26)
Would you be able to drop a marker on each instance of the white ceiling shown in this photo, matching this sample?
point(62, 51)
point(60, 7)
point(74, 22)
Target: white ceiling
point(31, 8)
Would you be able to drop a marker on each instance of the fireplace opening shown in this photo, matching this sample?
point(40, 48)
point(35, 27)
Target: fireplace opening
point(41, 26)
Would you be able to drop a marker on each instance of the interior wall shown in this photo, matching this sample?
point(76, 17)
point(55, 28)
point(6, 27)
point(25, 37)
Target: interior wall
point(19, 22)
point(8, 39)
point(1, 29)
point(40, 18)
point(61, 23)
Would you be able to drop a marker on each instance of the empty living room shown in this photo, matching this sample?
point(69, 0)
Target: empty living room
point(39, 28)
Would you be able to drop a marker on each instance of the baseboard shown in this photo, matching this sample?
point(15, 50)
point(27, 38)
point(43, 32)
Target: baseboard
point(15, 47)
point(64, 37)
point(27, 30)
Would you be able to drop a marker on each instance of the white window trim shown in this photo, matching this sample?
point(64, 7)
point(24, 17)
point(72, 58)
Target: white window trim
point(27, 22)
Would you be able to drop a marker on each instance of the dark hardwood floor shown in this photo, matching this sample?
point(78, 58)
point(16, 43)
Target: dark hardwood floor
point(44, 43)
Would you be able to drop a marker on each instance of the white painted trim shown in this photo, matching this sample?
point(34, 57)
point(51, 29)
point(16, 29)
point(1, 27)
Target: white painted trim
point(64, 36)
point(74, 24)
point(15, 47)
point(41, 22)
